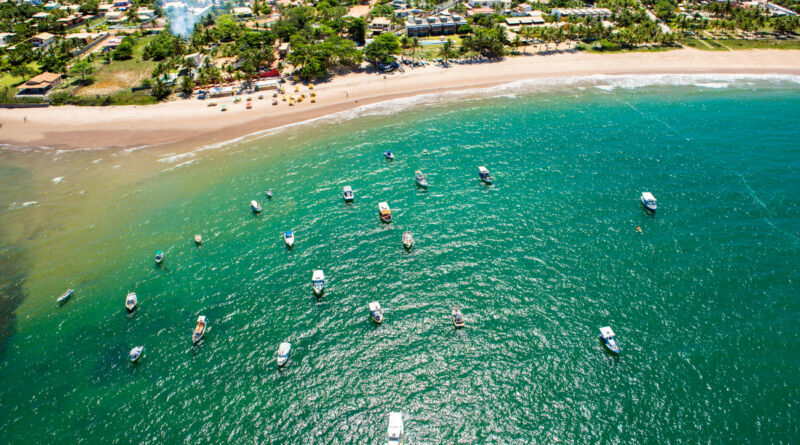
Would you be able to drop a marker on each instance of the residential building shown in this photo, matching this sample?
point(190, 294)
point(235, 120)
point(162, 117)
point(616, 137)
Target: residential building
point(51, 6)
point(380, 25)
point(441, 24)
point(41, 15)
point(42, 40)
point(602, 13)
point(40, 85)
point(6, 38)
point(505, 4)
point(242, 11)
point(71, 20)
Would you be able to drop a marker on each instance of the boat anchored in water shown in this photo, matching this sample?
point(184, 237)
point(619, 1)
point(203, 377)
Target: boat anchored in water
point(318, 281)
point(385, 212)
point(458, 318)
point(255, 206)
point(65, 296)
point(198, 239)
point(394, 434)
point(388, 155)
point(136, 354)
point(408, 240)
point(376, 312)
point(159, 256)
point(609, 339)
point(420, 178)
point(288, 238)
point(131, 301)
point(283, 353)
point(199, 329)
point(483, 173)
point(649, 201)
point(269, 194)
point(347, 194)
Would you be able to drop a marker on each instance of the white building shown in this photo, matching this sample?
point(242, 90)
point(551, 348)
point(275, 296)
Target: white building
point(505, 4)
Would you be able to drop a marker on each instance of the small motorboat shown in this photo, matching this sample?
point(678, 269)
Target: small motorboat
point(318, 281)
point(131, 301)
point(288, 238)
point(458, 318)
point(420, 178)
point(347, 194)
point(65, 296)
point(388, 155)
point(376, 312)
point(408, 240)
point(394, 434)
point(198, 239)
point(483, 173)
point(255, 206)
point(269, 194)
point(649, 201)
point(136, 354)
point(159, 256)
point(609, 339)
point(385, 212)
point(283, 353)
point(199, 330)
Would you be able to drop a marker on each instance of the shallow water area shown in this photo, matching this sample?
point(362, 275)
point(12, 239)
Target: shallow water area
point(703, 301)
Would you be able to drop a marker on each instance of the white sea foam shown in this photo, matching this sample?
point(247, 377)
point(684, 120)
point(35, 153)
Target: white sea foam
point(15, 205)
point(57, 180)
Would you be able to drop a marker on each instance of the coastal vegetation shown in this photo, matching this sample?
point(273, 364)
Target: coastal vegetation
point(143, 51)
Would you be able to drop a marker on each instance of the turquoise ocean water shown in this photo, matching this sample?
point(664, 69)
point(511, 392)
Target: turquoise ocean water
point(704, 302)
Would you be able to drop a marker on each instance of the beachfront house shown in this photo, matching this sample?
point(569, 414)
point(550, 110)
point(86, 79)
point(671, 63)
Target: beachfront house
point(380, 25)
point(71, 20)
point(443, 23)
point(40, 85)
point(41, 15)
point(32, 2)
point(51, 6)
point(42, 40)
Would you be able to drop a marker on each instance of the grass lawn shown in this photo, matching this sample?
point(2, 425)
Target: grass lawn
point(120, 75)
point(759, 44)
point(8, 80)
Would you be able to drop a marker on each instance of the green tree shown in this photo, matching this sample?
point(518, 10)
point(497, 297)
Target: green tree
point(665, 9)
point(160, 89)
point(446, 51)
point(381, 51)
point(187, 86)
point(357, 30)
point(124, 50)
point(81, 68)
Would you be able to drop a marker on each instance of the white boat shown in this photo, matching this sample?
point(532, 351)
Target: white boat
point(649, 201)
point(458, 318)
point(347, 194)
point(318, 281)
point(384, 212)
point(408, 240)
point(376, 312)
point(609, 339)
point(159, 256)
point(388, 155)
point(65, 296)
point(131, 301)
point(269, 194)
point(394, 434)
point(288, 238)
point(136, 354)
point(483, 173)
point(255, 206)
point(283, 353)
point(420, 178)
point(198, 239)
point(199, 329)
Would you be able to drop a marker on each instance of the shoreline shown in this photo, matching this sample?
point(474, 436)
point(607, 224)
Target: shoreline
point(186, 123)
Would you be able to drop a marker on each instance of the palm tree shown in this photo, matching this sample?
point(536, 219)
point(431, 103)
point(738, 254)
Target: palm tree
point(446, 52)
point(526, 32)
point(414, 45)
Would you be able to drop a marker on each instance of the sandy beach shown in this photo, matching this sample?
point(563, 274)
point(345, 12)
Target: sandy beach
point(190, 121)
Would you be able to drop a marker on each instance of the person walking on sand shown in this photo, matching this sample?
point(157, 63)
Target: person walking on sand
point(25, 118)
